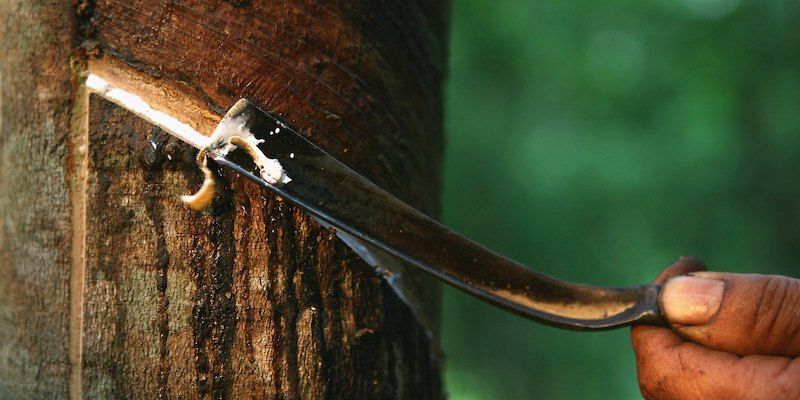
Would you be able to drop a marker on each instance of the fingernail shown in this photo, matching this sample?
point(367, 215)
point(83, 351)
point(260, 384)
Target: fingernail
point(687, 300)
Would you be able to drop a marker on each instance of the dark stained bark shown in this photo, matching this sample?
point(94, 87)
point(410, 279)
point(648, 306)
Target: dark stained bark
point(250, 299)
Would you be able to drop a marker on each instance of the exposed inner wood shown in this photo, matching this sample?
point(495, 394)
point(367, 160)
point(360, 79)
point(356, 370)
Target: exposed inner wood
point(79, 141)
point(167, 95)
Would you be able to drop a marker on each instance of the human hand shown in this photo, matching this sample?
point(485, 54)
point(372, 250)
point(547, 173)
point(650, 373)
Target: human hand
point(733, 336)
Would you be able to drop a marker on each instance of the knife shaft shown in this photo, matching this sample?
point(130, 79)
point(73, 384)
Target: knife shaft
point(333, 192)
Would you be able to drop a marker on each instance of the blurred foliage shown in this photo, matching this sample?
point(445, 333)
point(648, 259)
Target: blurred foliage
point(599, 141)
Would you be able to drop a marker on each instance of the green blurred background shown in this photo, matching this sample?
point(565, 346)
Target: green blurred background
point(597, 141)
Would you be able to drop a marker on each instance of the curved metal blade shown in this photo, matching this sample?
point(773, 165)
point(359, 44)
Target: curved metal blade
point(329, 190)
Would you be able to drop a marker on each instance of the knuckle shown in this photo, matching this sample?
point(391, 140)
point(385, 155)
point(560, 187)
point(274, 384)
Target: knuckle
point(788, 381)
point(653, 379)
point(647, 388)
point(777, 311)
point(644, 372)
point(646, 393)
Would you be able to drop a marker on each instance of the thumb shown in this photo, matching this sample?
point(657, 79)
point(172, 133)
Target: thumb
point(735, 313)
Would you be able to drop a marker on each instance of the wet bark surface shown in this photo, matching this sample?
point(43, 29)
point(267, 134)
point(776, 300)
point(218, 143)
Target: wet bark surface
point(250, 299)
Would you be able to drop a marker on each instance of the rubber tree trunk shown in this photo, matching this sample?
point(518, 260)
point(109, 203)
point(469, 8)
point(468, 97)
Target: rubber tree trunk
point(110, 288)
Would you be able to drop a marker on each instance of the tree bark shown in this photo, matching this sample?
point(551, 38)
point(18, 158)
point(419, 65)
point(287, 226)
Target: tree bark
point(110, 288)
point(35, 213)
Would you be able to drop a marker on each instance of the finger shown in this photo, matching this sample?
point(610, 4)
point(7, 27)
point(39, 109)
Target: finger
point(683, 266)
point(670, 368)
point(640, 334)
point(740, 314)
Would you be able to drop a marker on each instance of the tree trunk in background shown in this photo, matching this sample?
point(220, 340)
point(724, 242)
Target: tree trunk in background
point(109, 288)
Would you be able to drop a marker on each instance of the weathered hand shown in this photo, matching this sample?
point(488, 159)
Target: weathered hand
point(733, 336)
